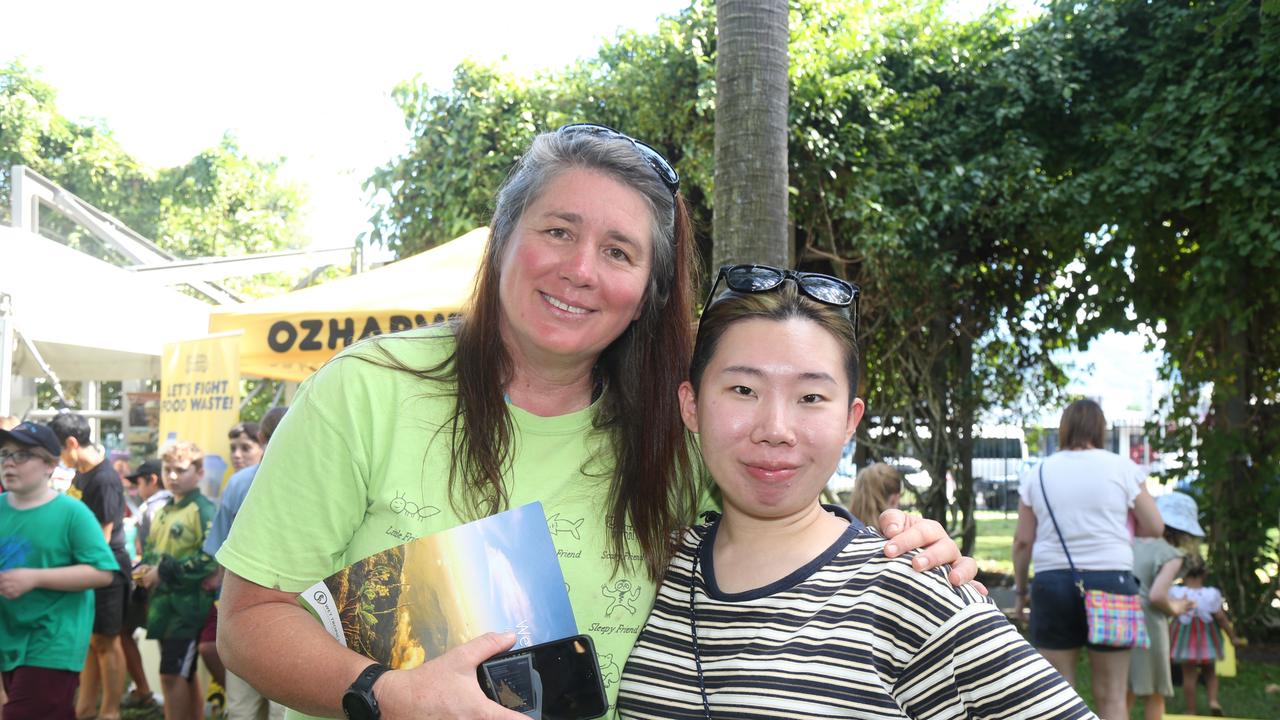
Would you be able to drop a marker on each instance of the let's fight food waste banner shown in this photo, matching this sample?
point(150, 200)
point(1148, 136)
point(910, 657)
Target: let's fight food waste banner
point(200, 400)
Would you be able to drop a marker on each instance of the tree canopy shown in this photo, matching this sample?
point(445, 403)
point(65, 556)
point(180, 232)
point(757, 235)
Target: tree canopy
point(222, 202)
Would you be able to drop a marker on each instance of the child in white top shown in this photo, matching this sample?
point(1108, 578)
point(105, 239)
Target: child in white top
point(1196, 636)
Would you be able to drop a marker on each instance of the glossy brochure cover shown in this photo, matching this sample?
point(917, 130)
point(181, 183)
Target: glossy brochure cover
point(412, 602)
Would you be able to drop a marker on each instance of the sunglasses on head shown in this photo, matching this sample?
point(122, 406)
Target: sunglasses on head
point(825, 289)
point(666, 173)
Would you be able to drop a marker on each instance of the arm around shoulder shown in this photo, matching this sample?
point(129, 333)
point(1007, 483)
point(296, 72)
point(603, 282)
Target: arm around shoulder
point(1159, 595)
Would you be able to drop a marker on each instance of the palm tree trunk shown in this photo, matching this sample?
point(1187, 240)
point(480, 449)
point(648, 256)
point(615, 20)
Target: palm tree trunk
point(750, 201)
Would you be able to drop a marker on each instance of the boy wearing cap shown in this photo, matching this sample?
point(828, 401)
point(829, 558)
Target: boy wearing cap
point(152, 496)
point(52, 554)
point(174, 567)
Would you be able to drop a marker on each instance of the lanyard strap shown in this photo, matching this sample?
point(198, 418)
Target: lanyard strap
point(693, 623)
point(1074, 573)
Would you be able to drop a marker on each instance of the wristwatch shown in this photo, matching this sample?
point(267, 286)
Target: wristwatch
point(358, 701)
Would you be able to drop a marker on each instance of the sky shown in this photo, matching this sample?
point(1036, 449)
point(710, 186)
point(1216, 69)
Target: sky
point(313, 85)
point(1117, 371)
point(288, 79)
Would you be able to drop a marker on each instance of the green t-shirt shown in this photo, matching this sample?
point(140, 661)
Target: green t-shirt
point(357, 467)
point(179, 606)
point(49, 628)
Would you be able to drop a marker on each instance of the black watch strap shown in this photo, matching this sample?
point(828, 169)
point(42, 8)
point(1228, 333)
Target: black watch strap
point(358, 702)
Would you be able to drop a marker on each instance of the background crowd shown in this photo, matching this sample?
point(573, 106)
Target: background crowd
point(138, 555)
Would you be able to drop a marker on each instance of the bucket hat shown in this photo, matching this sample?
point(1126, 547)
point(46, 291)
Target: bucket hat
point(1180, 512)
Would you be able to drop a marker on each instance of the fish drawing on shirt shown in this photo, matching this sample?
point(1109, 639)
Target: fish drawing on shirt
point(557, 526)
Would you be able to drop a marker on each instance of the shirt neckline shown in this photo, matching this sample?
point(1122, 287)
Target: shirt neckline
point(792, 579)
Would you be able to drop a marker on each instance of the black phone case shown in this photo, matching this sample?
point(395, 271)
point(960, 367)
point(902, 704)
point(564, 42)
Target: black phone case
point(593, 682)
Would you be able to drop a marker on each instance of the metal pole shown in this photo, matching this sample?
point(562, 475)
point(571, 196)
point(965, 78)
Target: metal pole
point(90, 402)
point(23, 211)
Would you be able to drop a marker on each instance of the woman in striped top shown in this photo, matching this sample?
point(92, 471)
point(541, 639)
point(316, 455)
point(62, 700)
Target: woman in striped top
point(783, 607)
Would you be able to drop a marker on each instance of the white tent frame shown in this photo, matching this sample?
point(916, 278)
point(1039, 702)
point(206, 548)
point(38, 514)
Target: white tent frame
point(31, 193)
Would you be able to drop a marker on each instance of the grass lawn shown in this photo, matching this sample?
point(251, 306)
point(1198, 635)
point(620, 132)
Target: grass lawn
point(1243, 696)
point(994, 549)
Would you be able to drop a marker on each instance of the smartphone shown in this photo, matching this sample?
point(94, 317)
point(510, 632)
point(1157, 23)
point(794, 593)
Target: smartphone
point(557, 680)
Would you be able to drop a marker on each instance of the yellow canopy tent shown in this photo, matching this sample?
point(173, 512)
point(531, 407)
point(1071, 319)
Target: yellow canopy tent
point(289, 336)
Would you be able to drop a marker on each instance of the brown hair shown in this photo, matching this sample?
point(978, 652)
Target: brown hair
point(248, 429)
point(270, 421)
point(184, 450)
point(1179, 539)
point(1083, 426)
point(873, 487)
point(653, 492)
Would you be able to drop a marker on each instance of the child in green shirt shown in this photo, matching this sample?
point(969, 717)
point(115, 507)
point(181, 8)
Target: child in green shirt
point(174, 564)
point(52, 554)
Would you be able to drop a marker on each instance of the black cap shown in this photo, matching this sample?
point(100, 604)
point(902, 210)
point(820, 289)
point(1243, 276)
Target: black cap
point(148, 467)
point(33, 434)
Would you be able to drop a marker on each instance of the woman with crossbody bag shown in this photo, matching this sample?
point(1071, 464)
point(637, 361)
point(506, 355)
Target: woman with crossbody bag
point(1078, 501)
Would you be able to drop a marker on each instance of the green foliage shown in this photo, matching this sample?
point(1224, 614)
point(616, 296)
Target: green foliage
point(85, 159)
point(1176, 149)
point(220, 203)
point(993, 550)
point(921, 161)
point(259, 395)
point(1243, 696)
point(464, 141)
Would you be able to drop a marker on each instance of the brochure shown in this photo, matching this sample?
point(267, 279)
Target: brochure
point(408, 604)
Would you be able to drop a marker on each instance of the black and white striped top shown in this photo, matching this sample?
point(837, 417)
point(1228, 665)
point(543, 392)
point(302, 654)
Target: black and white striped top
point(850, 635)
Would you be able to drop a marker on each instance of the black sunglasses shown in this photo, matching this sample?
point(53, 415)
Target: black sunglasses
point(666, 173)
point(825, 289)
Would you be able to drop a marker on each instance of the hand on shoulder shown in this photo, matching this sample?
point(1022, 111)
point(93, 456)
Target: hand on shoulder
point(912, 532)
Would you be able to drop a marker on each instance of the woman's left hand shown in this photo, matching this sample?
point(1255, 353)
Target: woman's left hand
point(912, 532)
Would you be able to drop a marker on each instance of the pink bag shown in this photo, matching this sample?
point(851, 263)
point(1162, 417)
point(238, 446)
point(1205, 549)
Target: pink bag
point(1115, 620)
